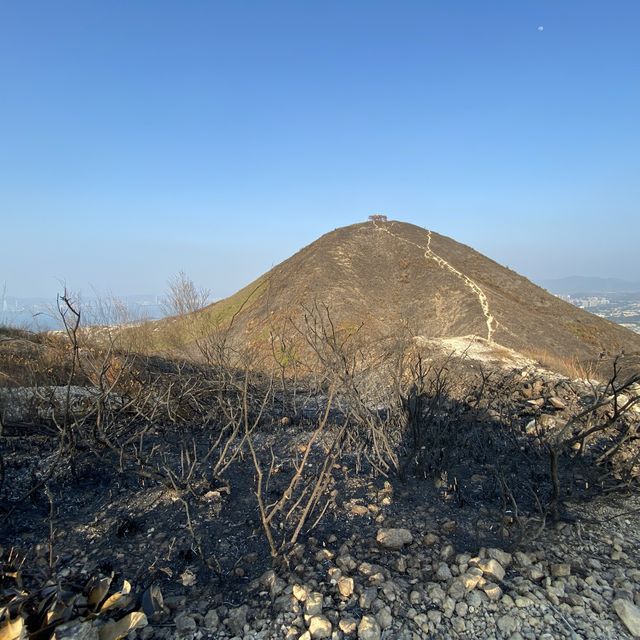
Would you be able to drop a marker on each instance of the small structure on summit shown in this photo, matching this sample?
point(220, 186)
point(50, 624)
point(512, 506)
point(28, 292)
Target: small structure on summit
point(378, 217)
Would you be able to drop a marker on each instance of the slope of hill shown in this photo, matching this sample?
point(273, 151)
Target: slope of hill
point(390, 277)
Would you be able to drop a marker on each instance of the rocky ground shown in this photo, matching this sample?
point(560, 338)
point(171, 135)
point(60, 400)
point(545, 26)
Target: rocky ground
point(408, 580)
point(408, 558)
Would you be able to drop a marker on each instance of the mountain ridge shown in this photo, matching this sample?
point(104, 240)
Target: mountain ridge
point(391, 277)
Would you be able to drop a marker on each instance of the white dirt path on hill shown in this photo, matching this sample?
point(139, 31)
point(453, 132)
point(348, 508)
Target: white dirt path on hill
point(429, 254)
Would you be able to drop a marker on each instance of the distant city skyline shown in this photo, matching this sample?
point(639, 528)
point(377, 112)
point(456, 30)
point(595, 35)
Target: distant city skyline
point(141, 139)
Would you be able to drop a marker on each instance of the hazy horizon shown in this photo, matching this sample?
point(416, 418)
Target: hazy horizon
point(219, 139)
point(221, 287)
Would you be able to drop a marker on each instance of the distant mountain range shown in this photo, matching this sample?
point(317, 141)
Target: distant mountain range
point(589, 285)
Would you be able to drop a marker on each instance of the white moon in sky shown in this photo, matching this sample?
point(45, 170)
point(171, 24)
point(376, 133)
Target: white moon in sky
point(540, 28)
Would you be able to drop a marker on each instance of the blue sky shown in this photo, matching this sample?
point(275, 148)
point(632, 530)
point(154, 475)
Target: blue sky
point(141, 138)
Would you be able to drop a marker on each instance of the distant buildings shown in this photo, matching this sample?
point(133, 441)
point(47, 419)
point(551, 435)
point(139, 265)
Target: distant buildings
point(586, 302)
point(623, 308)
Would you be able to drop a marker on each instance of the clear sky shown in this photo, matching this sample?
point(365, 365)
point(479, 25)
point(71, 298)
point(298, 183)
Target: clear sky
point(138, 138)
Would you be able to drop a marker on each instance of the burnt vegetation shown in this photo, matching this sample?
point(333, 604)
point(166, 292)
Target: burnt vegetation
point(164, 469)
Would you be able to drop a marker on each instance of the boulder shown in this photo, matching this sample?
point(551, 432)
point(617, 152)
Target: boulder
point(507, 624)
point(345, 586)
point(394, 538)
point(236, 619)
point(369, 629)
point(557, 403)
point(211, 620)
point(443, 572)
point(320, 627)
point(348, 625)
point(492, 568)
point(629, 614)
point(185, 625)
point(313, 604)
point(502, 557)
point(300, 592)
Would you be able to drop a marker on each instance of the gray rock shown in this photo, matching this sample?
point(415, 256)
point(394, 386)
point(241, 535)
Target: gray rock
point(436, 592)
point(492, 591)
point(459, 625)
point(629, 614)
point(507, 624)
point(185, 624)
point(77, 631)
point(535, 573)
point(345, 586)
point(449, 526)
point(147, 633)
point(502, 557)
point(522, 602)
point(447, 552)
point(175, 602)
point(320, 627)
point(236, 619)
point(346, 562)
point(286, 603)
point(367, 597)
point(348, 625)
point(300, 592)
point(457, 589)
point(394, 538)
point(313, 604)
point(435, 616)
point(492, 568)
point(430, 539)
point(384, 618)
point(369, 629)
point(474, 599)
point(443, 572)
point(211, 620)
point(522, 559)
point(368, 569)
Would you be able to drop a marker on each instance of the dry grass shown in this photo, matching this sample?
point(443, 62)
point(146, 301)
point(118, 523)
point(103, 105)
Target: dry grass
point(572, 367)
point(28, 359)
